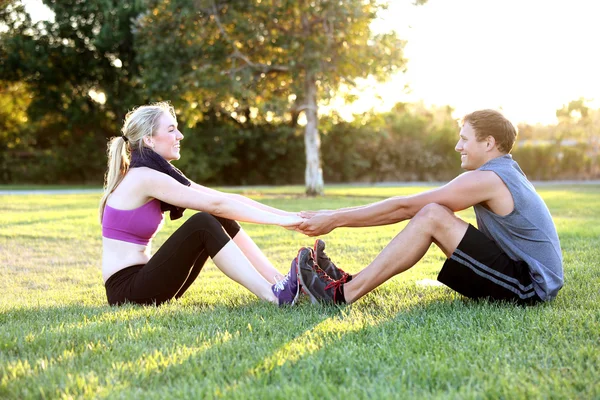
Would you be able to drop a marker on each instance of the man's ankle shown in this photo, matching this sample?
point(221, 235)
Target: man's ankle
point(339, 296)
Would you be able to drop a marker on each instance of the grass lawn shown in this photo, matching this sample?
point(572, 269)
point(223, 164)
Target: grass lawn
point(60, 339)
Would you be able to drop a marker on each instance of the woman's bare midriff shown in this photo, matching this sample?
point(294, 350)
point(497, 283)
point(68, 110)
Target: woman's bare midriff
point(118, 255)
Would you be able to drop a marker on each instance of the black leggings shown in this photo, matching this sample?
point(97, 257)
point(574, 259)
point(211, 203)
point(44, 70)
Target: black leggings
point(177, 263)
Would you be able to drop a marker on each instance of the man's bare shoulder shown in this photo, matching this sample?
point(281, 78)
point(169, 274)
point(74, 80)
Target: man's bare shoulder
point(466, 190)
point(486, 188)
point(476, 178)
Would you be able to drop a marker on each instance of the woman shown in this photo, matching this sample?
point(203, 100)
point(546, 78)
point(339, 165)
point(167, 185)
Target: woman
point(137, 192)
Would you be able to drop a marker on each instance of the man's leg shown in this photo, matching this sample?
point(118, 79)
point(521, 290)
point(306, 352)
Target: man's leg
point(433, 224)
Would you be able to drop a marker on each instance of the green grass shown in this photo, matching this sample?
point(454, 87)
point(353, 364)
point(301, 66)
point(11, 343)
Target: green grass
point(59, 339)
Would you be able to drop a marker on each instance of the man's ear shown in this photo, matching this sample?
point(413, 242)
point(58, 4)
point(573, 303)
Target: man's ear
point(491, 143)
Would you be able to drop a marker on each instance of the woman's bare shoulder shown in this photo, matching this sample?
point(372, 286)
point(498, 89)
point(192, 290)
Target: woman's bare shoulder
point(131, 191)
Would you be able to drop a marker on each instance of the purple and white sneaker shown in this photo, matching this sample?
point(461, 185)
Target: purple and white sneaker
point(287, 290)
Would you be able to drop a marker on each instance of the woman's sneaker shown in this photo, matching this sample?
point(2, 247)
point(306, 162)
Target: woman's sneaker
point(288, 289)
point(327, 265)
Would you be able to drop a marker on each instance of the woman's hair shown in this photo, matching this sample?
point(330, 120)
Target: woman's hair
point(139, 122)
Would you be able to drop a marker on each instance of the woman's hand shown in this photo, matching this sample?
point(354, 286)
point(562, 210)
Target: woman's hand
point(310, 214)
point(290, 222)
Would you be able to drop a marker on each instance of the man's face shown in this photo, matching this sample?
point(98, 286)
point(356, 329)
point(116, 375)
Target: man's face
point(472, 152)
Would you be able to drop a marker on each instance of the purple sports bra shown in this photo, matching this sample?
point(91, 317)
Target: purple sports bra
point(134, 226)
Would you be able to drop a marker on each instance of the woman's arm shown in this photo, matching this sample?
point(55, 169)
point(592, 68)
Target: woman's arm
point(242, 199)
point(162, 187)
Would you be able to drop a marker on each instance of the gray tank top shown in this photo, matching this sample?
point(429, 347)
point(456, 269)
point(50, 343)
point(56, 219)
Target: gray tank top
point(528, 232)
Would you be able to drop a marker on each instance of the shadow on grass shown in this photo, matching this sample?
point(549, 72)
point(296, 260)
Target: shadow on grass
point(386, 352)
point(241, 350)
point(135, 346)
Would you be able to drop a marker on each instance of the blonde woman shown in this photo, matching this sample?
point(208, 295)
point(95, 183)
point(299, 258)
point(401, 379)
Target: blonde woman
point(141, 185)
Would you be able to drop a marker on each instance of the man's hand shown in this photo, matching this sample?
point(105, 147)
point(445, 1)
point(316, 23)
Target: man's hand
point(318, 223)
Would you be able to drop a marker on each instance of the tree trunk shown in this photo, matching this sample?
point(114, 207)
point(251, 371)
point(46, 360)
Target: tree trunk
point(313, 176)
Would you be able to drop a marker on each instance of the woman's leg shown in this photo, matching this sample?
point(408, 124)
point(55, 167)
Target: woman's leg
point(234, 263)
point(252, 252)
point(257, 257)
point(177, 263)
point(194, 272)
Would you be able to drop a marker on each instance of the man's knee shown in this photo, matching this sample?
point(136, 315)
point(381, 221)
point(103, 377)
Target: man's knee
point(433, 214)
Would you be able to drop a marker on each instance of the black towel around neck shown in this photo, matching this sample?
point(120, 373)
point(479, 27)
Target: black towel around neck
point(151, 159)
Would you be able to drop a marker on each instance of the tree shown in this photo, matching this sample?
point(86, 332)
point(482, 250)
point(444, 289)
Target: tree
point(276, 58)
point(14, 100)
point(80, 68)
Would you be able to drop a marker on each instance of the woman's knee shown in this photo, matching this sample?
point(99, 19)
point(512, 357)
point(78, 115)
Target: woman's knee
point(204, 220)
point(231, 227)
point(208, 231)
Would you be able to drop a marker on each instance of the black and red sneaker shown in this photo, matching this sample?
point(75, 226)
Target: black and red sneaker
point(316, 283)
point(325, 263)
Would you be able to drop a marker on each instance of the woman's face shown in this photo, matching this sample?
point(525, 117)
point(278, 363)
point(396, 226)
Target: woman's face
point(165, 141)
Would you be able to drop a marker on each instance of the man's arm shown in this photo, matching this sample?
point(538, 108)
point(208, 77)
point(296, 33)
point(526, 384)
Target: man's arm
point(466, 190)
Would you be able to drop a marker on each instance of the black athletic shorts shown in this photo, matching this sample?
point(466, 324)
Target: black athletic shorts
point(479, 269)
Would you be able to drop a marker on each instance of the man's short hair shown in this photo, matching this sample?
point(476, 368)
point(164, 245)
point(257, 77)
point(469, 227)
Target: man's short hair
point(492, 123)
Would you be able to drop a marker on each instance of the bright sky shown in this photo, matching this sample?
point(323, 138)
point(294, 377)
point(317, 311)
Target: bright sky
point(526, 57)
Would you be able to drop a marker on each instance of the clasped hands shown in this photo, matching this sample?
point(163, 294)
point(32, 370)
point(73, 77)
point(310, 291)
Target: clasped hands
point(312, 223)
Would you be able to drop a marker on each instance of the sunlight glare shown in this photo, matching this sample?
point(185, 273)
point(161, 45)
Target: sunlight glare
point(525, 58)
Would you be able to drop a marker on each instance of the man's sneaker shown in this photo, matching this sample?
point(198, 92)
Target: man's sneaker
point(317, 284)
point(337, 274)
point(288, 289)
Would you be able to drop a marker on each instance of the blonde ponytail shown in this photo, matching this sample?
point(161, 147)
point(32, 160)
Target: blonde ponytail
point(118, 165)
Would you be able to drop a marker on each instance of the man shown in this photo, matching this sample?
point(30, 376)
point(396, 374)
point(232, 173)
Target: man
point(514, 254)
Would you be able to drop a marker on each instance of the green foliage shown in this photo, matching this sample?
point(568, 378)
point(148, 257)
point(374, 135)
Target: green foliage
point(277, 57)
point(239, 54)
point(236, 72)
point(88, 47)
point(16, 133)
point(567, 150)
point(546, 162)
point(59, 338)
point(406, 144)
point(230, 153)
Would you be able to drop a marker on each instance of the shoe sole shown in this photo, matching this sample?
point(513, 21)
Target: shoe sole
point(297, 275)
point(315, 252)
point(311, 296)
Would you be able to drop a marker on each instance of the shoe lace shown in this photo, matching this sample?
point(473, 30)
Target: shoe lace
point(322, 274)
point(280, 283)
point(334, 285)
